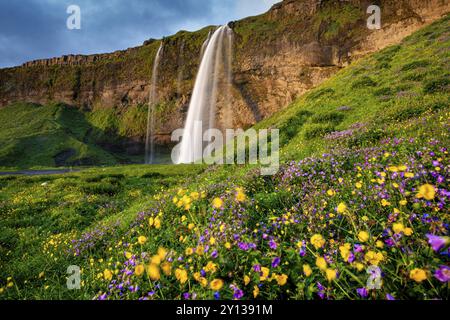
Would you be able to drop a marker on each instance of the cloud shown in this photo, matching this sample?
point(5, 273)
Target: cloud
point(36, 29)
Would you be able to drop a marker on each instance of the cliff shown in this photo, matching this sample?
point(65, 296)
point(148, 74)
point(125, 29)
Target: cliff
point(278, 56)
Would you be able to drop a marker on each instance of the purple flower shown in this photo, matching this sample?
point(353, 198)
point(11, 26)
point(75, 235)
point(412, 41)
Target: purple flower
point(302, 252)
point(442, 274)
point(362, 292)
point(321, 290)
point(389, 297)
point(238, 294)
point(257, 268)
point(436, 242)
point(214, 254)
point(272, 244)
point(103, 297)
point(276, 262)
point(216, 295)
point(351, 257)
point(186, 296)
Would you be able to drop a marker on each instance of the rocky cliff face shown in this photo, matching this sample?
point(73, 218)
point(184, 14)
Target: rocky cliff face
point(277, 57)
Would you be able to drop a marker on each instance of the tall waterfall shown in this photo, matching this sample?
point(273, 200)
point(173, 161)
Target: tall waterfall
point(214, 68)
point(152, 102)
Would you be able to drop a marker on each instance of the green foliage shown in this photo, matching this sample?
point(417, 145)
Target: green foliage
point(318, 131)
point(415, 65)
point(330, 117)
point(437, 85)
point(364, 82)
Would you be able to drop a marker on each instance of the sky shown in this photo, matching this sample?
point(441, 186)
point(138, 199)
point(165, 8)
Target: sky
point(37, 29)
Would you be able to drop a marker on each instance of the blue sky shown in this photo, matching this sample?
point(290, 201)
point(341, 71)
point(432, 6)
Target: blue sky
point(36, 29)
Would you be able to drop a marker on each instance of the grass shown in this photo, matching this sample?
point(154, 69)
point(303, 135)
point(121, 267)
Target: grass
point(362, 184)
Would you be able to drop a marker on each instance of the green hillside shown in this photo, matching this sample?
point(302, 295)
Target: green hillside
point(363, 184)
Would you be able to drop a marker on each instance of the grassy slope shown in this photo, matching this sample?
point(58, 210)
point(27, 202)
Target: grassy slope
point(393, 103)
point(32, 135)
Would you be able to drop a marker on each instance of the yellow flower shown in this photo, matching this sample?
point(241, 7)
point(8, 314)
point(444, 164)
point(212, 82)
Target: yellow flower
point(166, 268)
point(426, 191)
point(282, 279)
point(331, 274)
point(153, 272)
point(211, 267)
point(374, 258)
point(359, 266)
point(195, 195)
point(200, 250)
point(3, 289)
point(157, 223)
point(128, 255)
point(358, 185)
point(409, 175)
point(191, 226)
point(255, 291)
point(10, 284)
point(398, 227)
point(203, 281)
point(345, 251)
point(402, 168)
point(139, 270)
point(408, 232)
point(181, 275)
point(41, 275)
point(342, 207)
point(227, 245)
point(385, 203)
point(156, 259)
point(217, 203)
point(264, 274)
point(107, 274)
point(331, 192)
point(246, 280)
point(216, 284)
point(151, 221)
point(393, 169)
point(212, 241)
point(379, 244)
point(142, 240)
point(162, 253)
point(418, 275)
point(317, 241)
point(321, 263)
point(403, 202)
point(363, 236)
point(307, 270)
point(240, 196)
point(189, 251)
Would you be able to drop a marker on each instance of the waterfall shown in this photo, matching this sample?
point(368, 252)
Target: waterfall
point(205, 44)
point(152, 102)
point(214, 67)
